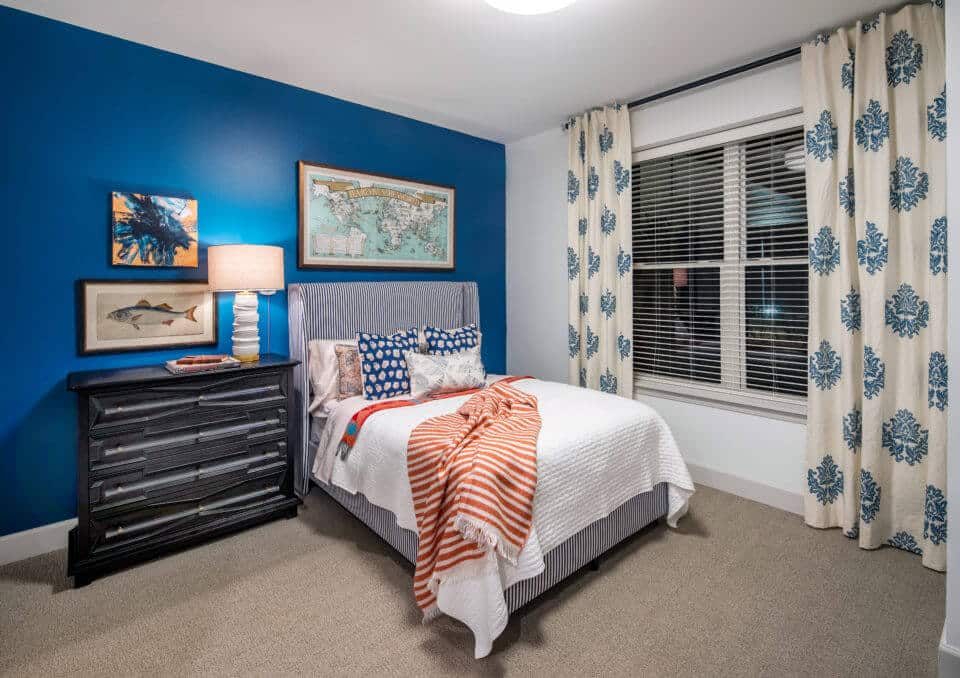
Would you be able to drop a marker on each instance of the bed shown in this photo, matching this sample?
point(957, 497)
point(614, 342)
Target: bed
point(579, 521)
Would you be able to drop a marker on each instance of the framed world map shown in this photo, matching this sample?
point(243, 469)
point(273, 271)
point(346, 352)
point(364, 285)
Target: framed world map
point(351, 219)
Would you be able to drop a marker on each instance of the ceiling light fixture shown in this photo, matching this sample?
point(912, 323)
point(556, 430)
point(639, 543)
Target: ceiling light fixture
point(529, 6)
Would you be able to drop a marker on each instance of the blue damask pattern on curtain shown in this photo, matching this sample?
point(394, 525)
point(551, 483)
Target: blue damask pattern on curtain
point(874, 101)
point(599, 251)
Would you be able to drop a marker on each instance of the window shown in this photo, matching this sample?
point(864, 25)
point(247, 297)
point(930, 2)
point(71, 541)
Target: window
point(720, 272)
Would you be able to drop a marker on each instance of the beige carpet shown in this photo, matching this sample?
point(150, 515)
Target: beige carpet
point(740, 589)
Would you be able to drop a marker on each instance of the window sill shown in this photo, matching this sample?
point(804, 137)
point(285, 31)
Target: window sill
point(794, 411)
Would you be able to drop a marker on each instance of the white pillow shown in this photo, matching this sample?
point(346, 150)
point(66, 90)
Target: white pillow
point(324, 382)
point(430, 374)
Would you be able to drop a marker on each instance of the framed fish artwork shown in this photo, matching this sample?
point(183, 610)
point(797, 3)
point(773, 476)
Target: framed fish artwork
point(153, 231)
point(134, 315)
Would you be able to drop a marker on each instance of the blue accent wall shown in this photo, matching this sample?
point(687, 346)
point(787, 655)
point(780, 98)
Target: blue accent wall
point(84, 114)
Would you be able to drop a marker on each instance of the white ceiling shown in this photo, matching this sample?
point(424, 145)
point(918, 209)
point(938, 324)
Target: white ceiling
point(461, 63)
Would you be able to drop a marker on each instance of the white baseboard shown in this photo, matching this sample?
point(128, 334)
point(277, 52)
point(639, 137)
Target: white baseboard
point(39, 540)
point(949, 660)
point(748, 489)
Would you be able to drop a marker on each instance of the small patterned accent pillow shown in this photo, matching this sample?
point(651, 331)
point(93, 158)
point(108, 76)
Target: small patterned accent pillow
point(430, 374)
point(383, 365)
point(447, 342)
point(323, 372)
point(349, 381)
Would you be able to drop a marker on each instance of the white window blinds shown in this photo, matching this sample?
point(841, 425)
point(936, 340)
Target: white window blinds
point(720, 272)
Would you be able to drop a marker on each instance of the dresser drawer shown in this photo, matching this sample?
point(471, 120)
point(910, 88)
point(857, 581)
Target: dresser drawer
point(187, 457)
point(205, 396)
point(188, 510)
point(154, 481)
point(182, 436)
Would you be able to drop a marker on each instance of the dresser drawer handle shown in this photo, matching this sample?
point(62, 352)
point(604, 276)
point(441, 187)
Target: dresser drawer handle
point(228, 431)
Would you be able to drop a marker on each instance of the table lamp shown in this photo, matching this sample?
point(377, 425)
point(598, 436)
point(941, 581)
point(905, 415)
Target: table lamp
point(246, 270)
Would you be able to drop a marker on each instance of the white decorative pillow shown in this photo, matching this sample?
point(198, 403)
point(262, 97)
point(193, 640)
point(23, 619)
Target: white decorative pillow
point(430, 374)
point(324, 371)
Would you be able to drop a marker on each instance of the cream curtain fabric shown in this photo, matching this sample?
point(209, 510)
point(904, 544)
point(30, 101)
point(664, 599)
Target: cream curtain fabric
point(599, 254)
point(875, 111)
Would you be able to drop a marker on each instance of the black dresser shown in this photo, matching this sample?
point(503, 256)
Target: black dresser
point(165, 461)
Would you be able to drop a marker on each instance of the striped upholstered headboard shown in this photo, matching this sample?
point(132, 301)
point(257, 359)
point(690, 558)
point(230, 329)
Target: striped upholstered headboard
point(340, 310)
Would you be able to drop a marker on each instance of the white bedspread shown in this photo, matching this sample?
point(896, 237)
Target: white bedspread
point(595, 452)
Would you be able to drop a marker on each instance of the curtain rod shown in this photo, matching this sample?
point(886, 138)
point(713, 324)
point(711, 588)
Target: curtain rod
point(773, 58)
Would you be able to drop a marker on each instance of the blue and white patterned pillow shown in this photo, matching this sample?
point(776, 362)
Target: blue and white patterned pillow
point(447, 342)
point(382, 363)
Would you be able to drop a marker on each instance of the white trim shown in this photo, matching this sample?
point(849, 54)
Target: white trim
point(722, 135)
point(35, 542)
point(788, 408)
point(949, 659)
point(748, 489)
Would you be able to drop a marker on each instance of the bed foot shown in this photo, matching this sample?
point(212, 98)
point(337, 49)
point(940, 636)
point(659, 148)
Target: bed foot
point(595, 564)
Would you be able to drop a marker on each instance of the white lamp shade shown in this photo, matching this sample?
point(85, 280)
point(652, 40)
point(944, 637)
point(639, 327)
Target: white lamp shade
point(237, 268)
point(529, 6)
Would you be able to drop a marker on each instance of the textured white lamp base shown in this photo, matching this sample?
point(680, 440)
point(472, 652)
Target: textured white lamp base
point(246, 338)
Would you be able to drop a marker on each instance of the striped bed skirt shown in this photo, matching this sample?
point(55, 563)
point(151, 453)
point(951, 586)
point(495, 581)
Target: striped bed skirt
point(559, 563)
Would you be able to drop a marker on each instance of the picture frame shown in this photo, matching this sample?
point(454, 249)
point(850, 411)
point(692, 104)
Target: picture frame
point(153, 231)
point(352, 219)
point(115, 316)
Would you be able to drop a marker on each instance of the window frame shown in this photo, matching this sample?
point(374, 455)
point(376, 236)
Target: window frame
point(728, 394)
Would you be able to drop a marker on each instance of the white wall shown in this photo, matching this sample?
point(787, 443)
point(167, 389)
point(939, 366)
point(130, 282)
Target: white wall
point(537, 255)
point(951, 629)
point(753, 456)
point(750, 455)
point(756, 95)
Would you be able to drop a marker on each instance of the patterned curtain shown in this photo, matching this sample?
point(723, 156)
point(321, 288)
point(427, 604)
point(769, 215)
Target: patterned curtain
point(599, 254)
point(875, 109)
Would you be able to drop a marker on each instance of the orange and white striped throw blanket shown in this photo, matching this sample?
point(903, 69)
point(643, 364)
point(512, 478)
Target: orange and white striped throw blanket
point(472, 474)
